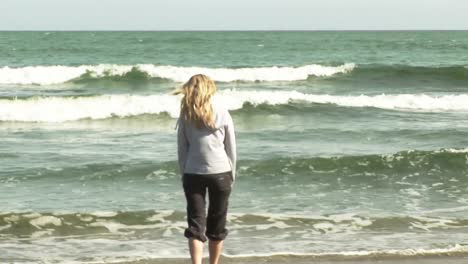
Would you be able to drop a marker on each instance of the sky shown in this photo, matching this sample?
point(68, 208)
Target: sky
point(234, 15)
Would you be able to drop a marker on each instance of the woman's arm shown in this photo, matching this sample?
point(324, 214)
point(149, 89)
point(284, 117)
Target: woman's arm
point(230, 144)
point(182, 146)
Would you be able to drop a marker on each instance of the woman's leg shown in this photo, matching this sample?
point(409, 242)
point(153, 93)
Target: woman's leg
point(195, 191)
point(196, 250)
point(219, 189)
point(215, 249)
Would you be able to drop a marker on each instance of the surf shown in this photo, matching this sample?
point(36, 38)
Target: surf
point(57, 74)
point(63, 109)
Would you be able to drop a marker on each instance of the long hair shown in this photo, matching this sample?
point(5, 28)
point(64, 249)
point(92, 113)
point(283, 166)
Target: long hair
point(196, 106)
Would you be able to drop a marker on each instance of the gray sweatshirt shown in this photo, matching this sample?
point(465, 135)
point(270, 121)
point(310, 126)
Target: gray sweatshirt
point(205, 150)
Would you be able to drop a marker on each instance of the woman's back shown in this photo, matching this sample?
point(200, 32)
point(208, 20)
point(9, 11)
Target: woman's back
point(209, 150)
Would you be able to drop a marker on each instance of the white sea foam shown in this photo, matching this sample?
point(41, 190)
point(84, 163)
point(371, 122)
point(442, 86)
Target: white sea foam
point(448, 210)
point(46, 220)
point(41, 233)
point(160, 216)
point(44, 75)
point(11, 218)
point(146, 240)
point(116, 227)
point(61, 109)
point(57, 109)
point(362, 253)
point(104, 213)
point(428, 223)
point(104, 251)
point(5, 227)
point(451, 150)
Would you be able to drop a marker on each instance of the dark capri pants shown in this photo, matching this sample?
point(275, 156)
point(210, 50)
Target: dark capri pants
point(213, 225)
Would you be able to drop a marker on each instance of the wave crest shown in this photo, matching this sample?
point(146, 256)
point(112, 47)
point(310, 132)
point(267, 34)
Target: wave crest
point(62, 109)
point(46, 75)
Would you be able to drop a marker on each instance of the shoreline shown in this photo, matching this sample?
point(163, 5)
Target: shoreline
point(446, 259)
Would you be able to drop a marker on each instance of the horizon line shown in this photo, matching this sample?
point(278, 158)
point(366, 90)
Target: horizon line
point(225, 30)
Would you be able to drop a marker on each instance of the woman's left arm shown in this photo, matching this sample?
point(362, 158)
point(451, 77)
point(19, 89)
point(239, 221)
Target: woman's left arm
point(182, 146)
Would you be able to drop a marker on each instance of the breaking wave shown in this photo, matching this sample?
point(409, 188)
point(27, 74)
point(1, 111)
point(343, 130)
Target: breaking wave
point(46, 75)
point(62, 109)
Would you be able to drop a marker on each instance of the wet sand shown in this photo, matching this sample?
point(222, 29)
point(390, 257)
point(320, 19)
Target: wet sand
point(307, 260)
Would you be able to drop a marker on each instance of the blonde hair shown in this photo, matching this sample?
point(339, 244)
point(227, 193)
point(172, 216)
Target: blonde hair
point(196, 106)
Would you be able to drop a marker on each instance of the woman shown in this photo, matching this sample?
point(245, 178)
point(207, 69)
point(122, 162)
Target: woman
point(207, 161)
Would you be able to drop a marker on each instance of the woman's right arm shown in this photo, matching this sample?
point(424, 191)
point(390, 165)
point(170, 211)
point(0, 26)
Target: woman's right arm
point(230, 144)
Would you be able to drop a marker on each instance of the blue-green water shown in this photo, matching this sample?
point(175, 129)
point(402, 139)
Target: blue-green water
point(349, 142)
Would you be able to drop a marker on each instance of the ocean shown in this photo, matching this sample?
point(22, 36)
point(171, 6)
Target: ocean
point(350, 144)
